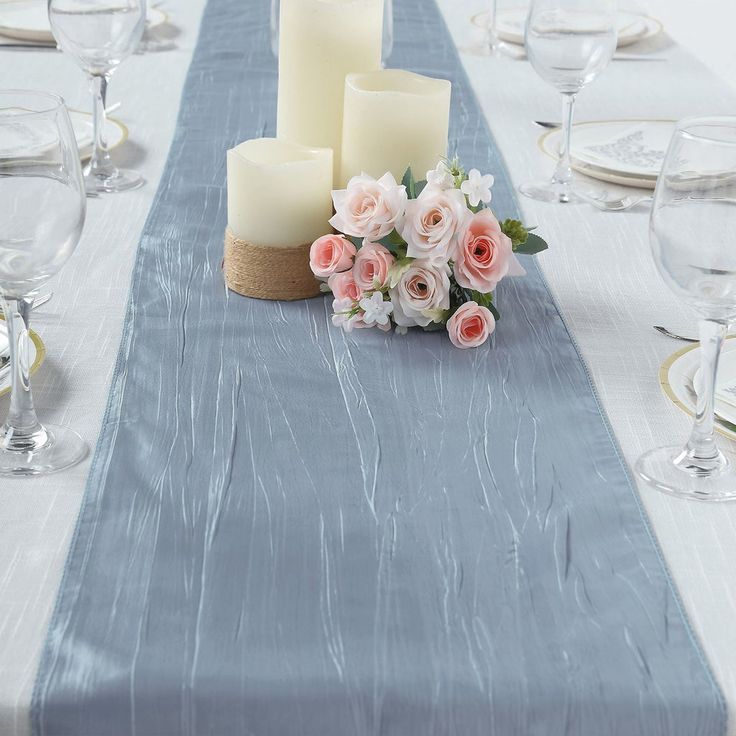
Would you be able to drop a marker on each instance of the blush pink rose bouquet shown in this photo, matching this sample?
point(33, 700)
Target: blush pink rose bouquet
point(426, 254)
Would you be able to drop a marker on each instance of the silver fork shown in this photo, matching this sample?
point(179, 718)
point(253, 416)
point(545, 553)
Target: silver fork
point(615, 204)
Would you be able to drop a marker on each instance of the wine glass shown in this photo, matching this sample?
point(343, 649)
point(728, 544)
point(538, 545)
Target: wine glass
point(387, 45)
point(42, 210)
point(489, 44)
point(100, 34)
point(569, 43)
point(691, 231)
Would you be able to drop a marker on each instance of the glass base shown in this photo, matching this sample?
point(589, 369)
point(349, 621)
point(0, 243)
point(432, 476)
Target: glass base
point(497, 50)
point(121, 180)
point(551, 191)
point(58, 448)
point(659, 469)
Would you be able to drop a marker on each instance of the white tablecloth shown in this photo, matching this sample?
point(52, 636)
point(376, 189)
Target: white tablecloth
point(599, 270)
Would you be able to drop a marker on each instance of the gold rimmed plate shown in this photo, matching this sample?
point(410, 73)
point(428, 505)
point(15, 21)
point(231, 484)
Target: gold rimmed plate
point(510, 22)
point(626, 151)
point(23, 144)
point(676, 377)
point(38, 355)
point(116, 132)
point(28, 20)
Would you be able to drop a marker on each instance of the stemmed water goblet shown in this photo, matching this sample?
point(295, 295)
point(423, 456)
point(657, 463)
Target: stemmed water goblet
point(99, 35)
point(490, 44)
point(42, 212)
point(691, 232)
point(569, 43)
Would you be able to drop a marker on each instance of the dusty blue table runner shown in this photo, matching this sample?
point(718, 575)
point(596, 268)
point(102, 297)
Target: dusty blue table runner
point(290, 530)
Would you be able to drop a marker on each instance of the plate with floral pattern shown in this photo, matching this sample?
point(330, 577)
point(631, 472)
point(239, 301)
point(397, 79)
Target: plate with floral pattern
point(628, 152)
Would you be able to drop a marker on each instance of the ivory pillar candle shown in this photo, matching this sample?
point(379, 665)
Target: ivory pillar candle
point(394, 119)
point(320, 41)
point(279, 194)
point(279, 201)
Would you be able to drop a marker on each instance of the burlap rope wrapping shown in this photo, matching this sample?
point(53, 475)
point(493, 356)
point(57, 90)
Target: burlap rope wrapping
point(268, 273)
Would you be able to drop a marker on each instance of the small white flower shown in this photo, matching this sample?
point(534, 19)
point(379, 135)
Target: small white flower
point(477, 188)
point(376, 310)
point(401, 330)
point(441, 177)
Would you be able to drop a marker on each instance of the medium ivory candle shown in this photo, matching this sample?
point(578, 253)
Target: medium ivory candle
point(394, 119)
point(278, 193)
point(320, 41)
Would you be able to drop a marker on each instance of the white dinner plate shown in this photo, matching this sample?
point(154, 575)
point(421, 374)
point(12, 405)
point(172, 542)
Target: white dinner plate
point(676, 377)
point(28, 20)
point(510, 22)
point(38, 354)
point(627, 152)
point(28, 141)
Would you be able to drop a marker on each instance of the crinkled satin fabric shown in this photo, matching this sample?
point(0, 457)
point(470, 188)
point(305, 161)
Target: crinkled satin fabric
point(290, 530)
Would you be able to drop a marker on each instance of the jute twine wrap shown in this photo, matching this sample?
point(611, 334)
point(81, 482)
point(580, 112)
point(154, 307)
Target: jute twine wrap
point(268, 273)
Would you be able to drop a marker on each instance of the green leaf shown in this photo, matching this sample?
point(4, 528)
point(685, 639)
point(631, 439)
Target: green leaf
point(483, 300)
point(410, 184)
point(394, 242)
point(434, 327)
point(494, 312)
point(419, 186)
point(533, 245)
point(357, 242)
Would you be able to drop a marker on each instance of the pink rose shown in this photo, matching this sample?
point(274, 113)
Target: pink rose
point(343, 286)
point(431, 223)
point(470, 326)
point(371, 266)
point(369, 208)
point(422, 295)
point(484, 254)
point(331, 254)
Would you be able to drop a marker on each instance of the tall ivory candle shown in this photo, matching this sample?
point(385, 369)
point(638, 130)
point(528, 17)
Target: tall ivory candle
point(278, 193)
point(394, 119)
point(320, 41)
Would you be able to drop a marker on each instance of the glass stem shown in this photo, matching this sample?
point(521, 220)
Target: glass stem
point(563, 173)
point(100, 165)
point(22, 432)
point(492, 37)
point(701, 455)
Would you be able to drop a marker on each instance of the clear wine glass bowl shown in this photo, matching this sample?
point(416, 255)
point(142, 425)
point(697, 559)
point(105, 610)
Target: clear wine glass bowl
point(691, 230)
point(42, 212)
point(99, 35)
point(569, 43)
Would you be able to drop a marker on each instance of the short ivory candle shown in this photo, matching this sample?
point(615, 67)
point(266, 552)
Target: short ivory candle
point(320, 41)
point(278, 193)
point(394, 119)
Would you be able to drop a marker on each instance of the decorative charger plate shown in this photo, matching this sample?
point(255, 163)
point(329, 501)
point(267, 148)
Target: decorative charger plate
point(676, 377)
point(627, 152)
point(38, 355)
point(28, 20)
point(510, 22)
